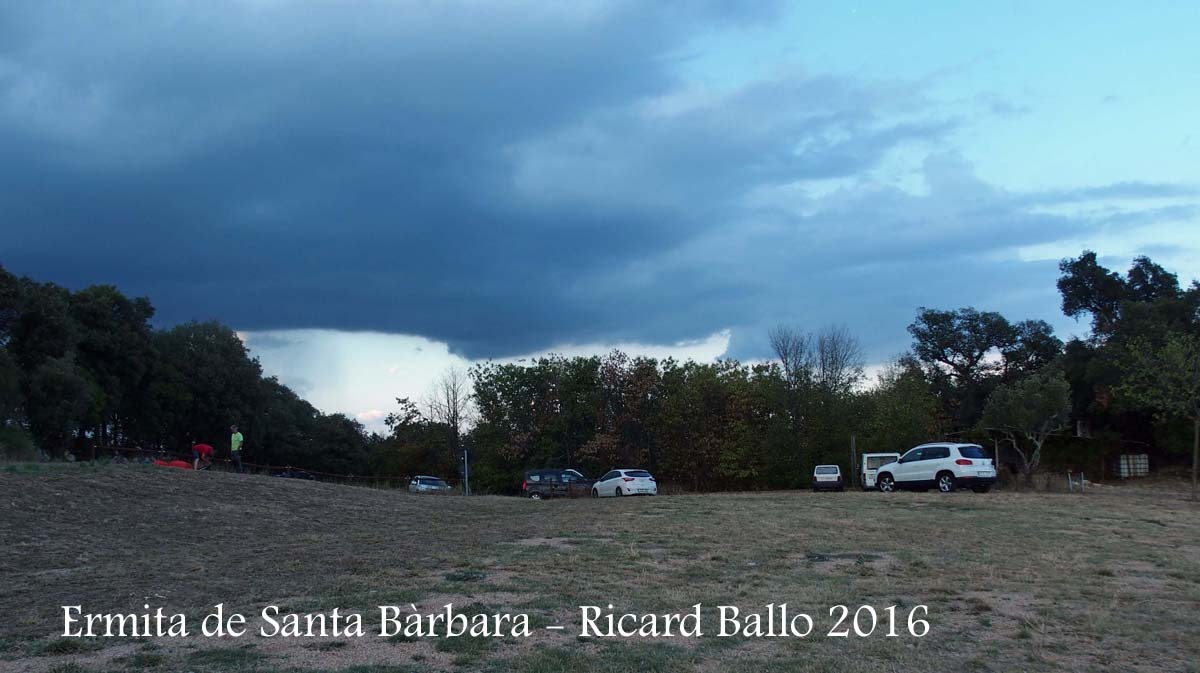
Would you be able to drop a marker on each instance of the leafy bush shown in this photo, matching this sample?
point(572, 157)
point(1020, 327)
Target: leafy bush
point(16, 444)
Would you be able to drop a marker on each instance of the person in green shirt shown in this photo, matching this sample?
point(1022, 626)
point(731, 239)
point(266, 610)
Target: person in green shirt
point(235, 447)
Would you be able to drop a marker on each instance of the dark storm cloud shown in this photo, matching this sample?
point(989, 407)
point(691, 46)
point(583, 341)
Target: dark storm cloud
point(499, 177)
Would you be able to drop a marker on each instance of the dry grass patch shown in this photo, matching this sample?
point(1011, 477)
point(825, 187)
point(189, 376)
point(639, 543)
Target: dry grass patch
point(1013, 581)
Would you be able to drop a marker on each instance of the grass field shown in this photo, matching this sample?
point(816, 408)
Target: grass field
point(1031, 582)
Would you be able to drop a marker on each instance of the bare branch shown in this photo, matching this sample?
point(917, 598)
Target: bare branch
point(795, 352)
point(839, 359)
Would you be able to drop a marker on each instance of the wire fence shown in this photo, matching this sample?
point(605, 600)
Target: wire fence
point(149, 456)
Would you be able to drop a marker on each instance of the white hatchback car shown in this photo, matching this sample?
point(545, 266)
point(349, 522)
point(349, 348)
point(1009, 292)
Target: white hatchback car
point(828, 478)
point(942, 465)
point(624, 482)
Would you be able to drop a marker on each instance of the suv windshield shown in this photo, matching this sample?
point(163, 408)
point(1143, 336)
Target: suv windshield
point(637, 473)
point(972, 452)
point(826, 469)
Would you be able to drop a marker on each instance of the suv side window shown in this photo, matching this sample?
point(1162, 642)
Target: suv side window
point(911, 456)
point(534, 477)
point(569, 478)
point(936, 452)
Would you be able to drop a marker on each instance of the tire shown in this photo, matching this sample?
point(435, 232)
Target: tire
point(535, 496)
point(595, 493)
point(617, 492)
point(946, 483)
point(981, 489)
point(885, 483)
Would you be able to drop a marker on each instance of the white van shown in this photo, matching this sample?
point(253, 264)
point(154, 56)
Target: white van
point(871, 463)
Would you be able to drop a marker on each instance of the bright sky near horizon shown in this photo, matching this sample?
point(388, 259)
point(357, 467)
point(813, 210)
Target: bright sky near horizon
point(373, 193)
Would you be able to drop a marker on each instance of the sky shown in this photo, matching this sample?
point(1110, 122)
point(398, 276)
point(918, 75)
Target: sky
point(373, 192)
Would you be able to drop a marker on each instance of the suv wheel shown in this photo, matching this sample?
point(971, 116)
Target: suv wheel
point(886, 483)
point(535, 496)
point(945, 482)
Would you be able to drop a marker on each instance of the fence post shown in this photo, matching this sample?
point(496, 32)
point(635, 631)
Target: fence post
point(853, 462)
point(465, 470)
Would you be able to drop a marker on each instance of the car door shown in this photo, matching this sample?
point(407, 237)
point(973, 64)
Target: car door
point(564, 483)
point(932, 459)
point(604, 485)
point(552, 484)
point(908, 467)
point(572, 484)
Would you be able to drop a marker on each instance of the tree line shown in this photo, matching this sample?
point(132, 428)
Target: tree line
point(971, 375)
point(86, 368)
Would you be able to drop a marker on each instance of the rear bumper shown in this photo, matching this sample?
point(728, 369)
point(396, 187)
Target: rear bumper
point(968, 480)
point(829, 485)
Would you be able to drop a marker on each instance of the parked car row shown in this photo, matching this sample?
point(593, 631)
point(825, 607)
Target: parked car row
point(560, 483)
point(945, 466)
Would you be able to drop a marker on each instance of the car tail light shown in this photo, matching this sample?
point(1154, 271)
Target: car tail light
point(962, 461)
point(650, 478)
point(524, 486)
point(627, 478)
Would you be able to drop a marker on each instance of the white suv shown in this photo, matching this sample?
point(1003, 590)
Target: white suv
point(940, 465)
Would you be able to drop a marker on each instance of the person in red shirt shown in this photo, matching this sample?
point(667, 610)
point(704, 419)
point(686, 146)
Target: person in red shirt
point(201, 454)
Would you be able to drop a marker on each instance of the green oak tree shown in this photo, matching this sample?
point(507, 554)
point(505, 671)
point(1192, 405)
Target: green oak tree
point(59, 400)
point(1165, 377)
point(1027, 412)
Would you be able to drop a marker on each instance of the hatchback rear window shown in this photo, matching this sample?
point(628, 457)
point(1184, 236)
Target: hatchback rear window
point(972, 452)
point(637, 473)
point(827, 470)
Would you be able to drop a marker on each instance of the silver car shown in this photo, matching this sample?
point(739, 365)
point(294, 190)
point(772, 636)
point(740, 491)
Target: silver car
point(425, 484)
